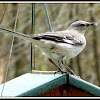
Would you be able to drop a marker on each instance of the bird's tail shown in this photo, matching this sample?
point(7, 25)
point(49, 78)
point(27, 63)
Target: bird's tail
point(16, 34)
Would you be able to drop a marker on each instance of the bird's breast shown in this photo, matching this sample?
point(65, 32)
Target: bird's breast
point(68, 50)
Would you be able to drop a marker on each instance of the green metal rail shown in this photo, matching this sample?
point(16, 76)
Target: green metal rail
point(31, 84)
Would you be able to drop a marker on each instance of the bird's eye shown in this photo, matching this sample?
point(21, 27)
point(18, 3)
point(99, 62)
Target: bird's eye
point(82, 24)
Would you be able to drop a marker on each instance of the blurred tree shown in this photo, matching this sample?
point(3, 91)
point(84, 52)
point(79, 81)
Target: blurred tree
point(95, 44)
point(2, 61)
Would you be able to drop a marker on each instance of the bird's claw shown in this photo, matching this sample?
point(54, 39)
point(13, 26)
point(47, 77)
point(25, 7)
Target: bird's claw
point(62, 72)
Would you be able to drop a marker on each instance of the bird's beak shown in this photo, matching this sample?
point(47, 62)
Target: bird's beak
point(93, 23)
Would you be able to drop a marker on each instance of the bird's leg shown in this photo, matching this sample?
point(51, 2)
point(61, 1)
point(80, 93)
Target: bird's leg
point(60, 65)
point(68, 67)
point(55, 65)
point(60, 70)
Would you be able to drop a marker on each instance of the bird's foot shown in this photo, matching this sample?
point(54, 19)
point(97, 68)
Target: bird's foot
point(75, 75)
point(62, 72)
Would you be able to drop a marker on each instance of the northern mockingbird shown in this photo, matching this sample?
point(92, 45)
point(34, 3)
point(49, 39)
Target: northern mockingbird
point(59, 45)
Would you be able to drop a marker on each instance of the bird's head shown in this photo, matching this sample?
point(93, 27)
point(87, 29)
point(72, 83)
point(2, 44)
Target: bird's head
point(81, 26)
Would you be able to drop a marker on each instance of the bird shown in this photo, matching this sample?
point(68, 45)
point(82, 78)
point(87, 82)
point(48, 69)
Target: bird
point(59, 45)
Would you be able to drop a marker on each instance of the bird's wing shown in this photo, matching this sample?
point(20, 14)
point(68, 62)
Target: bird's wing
point(59, 36)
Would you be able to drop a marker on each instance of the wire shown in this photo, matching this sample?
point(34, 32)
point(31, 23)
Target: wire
point(50, 28)
point(32, 32)
point(3, 13)
point(5, 78)
point(47, 18)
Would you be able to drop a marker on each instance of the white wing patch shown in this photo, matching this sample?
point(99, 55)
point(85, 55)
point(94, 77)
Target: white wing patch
point(68, 41)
